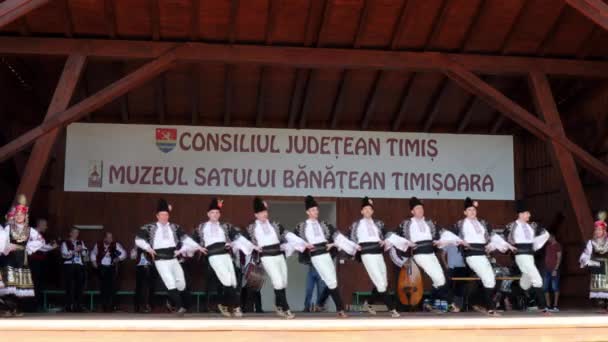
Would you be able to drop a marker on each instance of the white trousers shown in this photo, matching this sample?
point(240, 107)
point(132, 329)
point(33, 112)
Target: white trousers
point(376, 268)
point(327, 270)
point(430, 265)
point(224, 269)
point(171, 273)
point(530, 277)
point(276, 268)
point(482, 267)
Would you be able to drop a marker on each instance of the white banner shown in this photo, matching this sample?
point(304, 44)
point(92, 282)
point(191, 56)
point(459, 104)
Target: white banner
point(287, 162)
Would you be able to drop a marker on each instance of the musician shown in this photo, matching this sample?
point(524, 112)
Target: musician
point(144, 280)
point(38, 263)
point(18, 241)
point(369, 234)
point(216, 238)
point(273, 243)
point(165, 242)
point(75, 254)
point(105, 257)
point(474, 236)
point(425, 236)
point(322, 239)
point(528, 237)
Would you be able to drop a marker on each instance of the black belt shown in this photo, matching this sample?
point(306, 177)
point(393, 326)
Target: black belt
point(371, 248)
point(165, 253)
point(272, 250)
point(320, 248)
point(216, 249)
point(475, 249)
point(424, 247)
point(524, 248)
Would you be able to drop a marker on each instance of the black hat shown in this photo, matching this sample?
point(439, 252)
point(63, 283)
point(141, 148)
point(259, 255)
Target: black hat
point(310, 202)
point(215, 204)
point(468, 202)
point(367, 202)
point(259, 205)
point(414, 201)
point(163, 206)
point(520, 206)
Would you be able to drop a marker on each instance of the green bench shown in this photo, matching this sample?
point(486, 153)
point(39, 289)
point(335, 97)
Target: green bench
point(92, 293)
point(357, 295)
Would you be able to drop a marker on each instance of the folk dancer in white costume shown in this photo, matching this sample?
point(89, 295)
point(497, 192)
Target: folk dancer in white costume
point(274, 243)
point(528, 237)
point(475, 236)
point(323, 240)
point(165, 241)
point(218, 239)
point(425, 236)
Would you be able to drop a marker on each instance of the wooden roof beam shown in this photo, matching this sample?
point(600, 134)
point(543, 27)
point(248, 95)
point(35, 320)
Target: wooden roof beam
point(522, 117)
point(106, 95)
point(11, 10)
point(595, 10)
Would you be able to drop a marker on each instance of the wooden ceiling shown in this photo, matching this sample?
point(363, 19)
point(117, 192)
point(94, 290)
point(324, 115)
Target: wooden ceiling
point(276, 96)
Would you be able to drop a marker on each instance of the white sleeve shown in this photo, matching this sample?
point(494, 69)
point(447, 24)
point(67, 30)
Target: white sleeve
point(4, 240)
point(85, 250)
point(585, 258)
point(189, 247)
point(242, 244)
point(65, 253)
point(94, 255)
point(121, 250)
point(498, 243)
point(295, 242)
point(141, 243)
point(343, 243)
point(394, 240)
point(396, 259)
point(447, 238)
point(539, 241)
point(35, 242)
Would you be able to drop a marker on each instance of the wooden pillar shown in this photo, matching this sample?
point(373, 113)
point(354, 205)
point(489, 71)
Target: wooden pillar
point(41, 151)
point(547, 109)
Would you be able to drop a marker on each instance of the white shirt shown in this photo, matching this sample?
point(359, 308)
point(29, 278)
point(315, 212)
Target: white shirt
point(314, 233)
point(106, 260)
point(265, 234)
point(143, 260)
point(419, 230)
point(523, 233)
point(473, 231)
point(367, 231)
point(163, 237)
point(71, 256)
point(213, 233)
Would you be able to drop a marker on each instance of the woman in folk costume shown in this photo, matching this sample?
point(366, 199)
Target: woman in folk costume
point(323, 239)
point(18, 241)
point(218, 239)
point(595, 258)
point(165, 242)
point(528, 237)
point(475, 236)
point(369, 234)
point(425, 236)
point(273, 243)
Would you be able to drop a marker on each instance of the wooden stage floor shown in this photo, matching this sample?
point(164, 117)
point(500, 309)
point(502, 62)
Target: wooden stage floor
point(124, 327)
